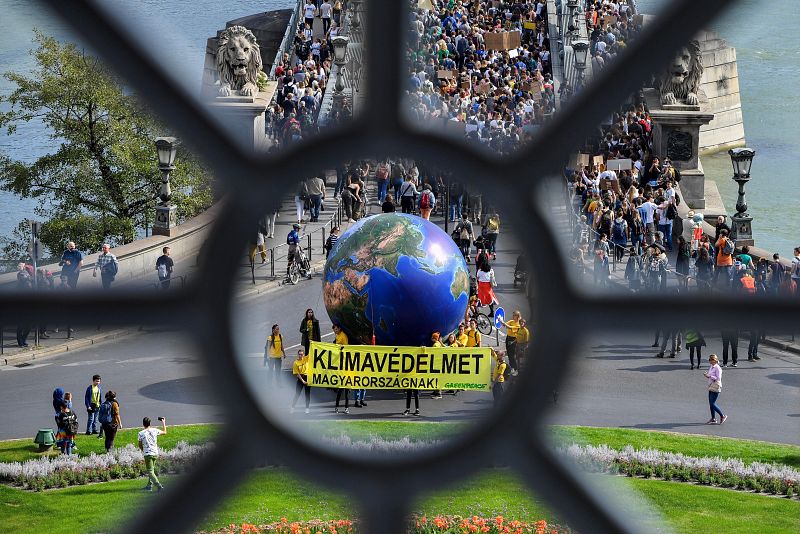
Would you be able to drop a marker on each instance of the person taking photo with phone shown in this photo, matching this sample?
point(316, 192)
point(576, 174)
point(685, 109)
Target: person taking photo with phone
point(148, 444)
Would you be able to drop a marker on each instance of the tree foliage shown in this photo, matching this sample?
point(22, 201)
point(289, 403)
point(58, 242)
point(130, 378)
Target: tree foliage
point(101, 182)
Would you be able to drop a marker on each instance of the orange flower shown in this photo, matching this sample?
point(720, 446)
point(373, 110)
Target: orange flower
point(484, 529)
point(499, 520)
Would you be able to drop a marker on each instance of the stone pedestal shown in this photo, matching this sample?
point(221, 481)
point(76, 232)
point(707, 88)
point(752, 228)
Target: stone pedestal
point(742, 230)
point(676, 135)
point(166, 219)
point(244, 118)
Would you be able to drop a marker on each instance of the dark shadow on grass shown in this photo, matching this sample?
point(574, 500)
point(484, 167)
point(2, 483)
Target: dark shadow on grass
point(661, 426)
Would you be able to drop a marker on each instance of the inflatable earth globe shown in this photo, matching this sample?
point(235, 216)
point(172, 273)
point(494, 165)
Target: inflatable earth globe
point(398, 276)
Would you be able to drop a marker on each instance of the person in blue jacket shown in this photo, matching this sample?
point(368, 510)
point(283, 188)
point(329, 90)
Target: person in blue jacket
point(92, 399)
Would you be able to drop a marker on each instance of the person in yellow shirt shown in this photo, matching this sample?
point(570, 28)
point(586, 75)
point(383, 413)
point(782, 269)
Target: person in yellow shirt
point(341, 339)
point(498, 376)
point(300, 371)
point(473, 336)
point(462, 338)
point(436, 394)
point(512, 328)
point(274, 355)
point(523, 339)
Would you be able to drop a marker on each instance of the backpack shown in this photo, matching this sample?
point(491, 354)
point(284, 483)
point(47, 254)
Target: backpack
point(70, 422)
point(162, 270)
point(671, 212)
point(382, 173)
point(729, 247)
point(492, 224)
point(619, 231)
point(748, 285)
point(104, 415)
point(425, 201)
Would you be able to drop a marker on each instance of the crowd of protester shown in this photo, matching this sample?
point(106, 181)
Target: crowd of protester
point(493, 97)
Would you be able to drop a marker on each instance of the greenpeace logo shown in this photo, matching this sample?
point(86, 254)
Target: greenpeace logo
point(459, 385)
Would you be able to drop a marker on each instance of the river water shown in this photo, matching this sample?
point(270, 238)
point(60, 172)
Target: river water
point(176, 31)
point(766, 42)
point(768, 59)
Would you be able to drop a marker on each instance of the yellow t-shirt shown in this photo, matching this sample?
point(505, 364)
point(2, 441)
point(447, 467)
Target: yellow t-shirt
point(462, 340)
point(499, 369)
point(523, 335)
point(275, 350)
point(513, 328)
point(341, 338)
point(473, 338)
point(300, 366)
point(437, 344)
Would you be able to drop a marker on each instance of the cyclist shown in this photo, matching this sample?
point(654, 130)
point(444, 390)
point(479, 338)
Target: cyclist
point(293, 239)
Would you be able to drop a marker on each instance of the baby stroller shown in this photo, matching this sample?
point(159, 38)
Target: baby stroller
point(521, 271)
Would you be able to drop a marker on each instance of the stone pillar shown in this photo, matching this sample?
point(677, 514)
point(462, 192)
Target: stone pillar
point(166, 219)
point(245, 118)
point(676, 135)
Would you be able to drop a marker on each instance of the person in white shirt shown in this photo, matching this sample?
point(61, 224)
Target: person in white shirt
point(148, 444)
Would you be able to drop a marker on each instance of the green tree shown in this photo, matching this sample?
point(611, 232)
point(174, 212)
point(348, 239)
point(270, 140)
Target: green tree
point(102, 182)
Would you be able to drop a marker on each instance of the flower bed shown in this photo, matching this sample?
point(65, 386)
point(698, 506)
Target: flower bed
point(441, 524)
point(725, 472)
point(126, 462)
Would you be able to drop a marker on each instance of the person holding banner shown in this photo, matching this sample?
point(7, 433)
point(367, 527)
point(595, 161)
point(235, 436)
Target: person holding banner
point(341, 340)
point(498, 377)
point(300, 371)
point(437, 394)
point(309, 328)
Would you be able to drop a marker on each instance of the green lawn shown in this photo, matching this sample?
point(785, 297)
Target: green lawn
point(270, 494)
point(690, 445)
point(19, 450)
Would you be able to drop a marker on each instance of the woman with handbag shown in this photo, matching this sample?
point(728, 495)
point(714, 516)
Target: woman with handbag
point(714, 376)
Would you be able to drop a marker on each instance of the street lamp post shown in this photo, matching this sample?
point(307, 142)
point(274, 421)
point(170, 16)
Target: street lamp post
point(580, 49)
point(166, 212)
point(339, 59)
point(572, 5)
point(741, 222)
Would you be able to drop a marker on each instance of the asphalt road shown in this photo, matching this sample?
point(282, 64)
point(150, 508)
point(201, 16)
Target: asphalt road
point(615, 382)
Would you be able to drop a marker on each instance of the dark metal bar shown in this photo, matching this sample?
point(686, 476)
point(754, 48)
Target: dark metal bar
point(669, 30)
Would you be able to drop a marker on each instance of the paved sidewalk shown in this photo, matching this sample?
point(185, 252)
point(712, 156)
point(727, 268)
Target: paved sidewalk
point(617, 282)
point(186, 269)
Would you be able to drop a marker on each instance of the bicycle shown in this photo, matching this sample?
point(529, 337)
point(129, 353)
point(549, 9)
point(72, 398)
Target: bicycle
point(300, 267)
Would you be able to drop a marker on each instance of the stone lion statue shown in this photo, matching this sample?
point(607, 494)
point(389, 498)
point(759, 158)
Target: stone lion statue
point(238, 62)
point(680, 84)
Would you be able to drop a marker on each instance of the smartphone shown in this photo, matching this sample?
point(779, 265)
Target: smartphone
point(160, 418)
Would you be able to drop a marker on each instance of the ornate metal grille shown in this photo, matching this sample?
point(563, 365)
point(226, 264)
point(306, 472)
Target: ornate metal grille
point(385, 488)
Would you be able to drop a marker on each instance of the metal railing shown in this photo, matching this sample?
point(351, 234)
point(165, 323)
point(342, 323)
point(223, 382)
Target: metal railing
point(288, 38)
point(281, 251)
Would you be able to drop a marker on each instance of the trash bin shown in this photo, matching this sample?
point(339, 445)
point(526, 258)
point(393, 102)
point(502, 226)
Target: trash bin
point(45, 438)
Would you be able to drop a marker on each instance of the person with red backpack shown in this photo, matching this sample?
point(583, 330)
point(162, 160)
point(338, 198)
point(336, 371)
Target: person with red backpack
point(426, 202)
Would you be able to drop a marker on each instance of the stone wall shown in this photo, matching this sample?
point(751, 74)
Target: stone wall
point(137, 260)
point(720, 83)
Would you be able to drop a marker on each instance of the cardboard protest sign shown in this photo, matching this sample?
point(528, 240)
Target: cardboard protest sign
point(502, 40)
point(597, 161)
point(445, 74)
point(529, 25)
point(623, 164)
point(377, 367)
point(609, 20)
point(513, 53)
